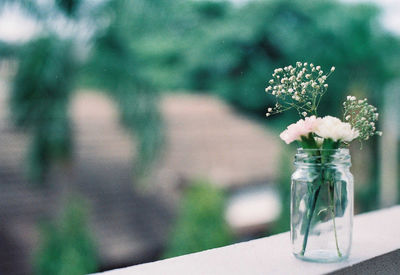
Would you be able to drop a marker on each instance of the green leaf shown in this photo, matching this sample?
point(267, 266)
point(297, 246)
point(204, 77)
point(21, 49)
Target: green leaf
point(341, 198)
point(308, 142)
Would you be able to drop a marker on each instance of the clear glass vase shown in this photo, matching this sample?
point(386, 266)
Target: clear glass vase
point(322, 205)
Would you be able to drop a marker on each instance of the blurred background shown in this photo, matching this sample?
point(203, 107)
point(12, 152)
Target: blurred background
point(132, 131)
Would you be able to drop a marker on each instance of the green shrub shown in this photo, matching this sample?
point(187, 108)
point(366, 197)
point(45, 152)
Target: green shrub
point(201, 224)
point(66, 247)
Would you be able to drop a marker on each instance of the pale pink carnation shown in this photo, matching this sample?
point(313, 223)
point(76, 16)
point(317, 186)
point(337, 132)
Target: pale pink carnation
point(301, 128)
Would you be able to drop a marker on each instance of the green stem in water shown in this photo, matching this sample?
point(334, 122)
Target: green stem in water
point(306, 142)
point(332, 202)
point(310, 215)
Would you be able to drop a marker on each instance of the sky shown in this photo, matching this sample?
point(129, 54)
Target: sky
point(17, 27)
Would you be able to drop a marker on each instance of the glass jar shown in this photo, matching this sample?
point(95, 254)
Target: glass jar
point(322, 205)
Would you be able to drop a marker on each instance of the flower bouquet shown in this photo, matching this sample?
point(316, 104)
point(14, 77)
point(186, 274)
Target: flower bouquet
point(322, 185)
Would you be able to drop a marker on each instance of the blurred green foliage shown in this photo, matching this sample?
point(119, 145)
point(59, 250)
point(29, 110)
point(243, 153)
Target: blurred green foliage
point(69, 7)
point(230, 50)
point(39, 100)
point(67, 247)
point(7, 50)
point(200, 224)
point(114, 66)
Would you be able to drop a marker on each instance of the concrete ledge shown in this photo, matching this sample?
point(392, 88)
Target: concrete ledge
point(376, 250)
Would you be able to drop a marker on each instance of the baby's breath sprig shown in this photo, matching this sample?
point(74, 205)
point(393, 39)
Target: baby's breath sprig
point(297, 87)
point(362, 116)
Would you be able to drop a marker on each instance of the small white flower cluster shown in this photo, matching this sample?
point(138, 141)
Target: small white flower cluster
point(301, 88)
point(297, 87)
point(362, 116)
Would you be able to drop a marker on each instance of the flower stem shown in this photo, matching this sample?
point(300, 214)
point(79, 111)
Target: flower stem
point(332, 202)
point(310, 214)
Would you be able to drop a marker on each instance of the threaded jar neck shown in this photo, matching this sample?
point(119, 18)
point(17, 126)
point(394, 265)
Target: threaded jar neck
point(322, 157)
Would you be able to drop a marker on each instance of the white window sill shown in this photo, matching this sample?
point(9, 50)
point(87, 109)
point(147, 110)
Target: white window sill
point(376, 250)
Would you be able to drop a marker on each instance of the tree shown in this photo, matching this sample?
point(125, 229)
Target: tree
point(115, 67)
point(39, 101)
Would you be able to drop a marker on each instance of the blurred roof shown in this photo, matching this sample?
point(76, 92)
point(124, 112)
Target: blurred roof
point(207, 139)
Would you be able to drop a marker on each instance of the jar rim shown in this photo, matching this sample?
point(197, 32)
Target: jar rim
point(343, 150)
point(318, 157)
